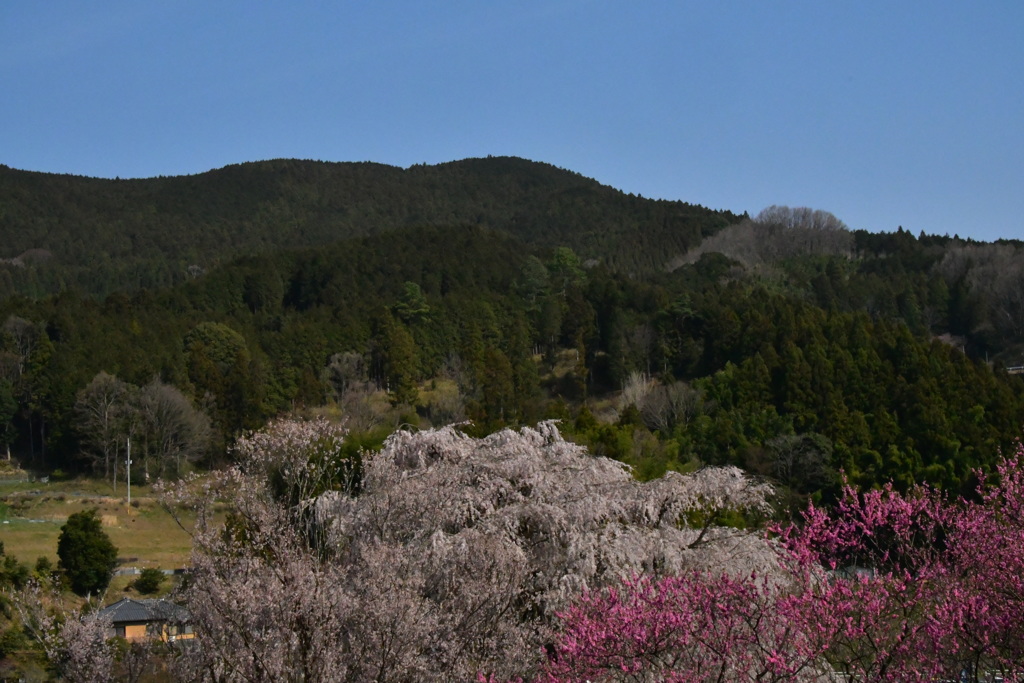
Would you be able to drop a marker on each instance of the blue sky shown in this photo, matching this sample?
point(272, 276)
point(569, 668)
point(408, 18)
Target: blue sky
point(884, 113)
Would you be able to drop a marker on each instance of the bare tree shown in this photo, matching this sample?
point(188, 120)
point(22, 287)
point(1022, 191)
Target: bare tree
point(100, 409)
point(800, 217)
point(175, 431)
point(776, 233)
point(347, 376)
point(738, 242)
point(994, 280)
point(666, 406)
point(344, 372)
point(636, 390)
point(24, 335)
point(161, 421)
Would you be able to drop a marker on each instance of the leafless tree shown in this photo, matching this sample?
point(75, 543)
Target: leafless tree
point(994, 276)
point(636, 389)
point(347, 375)
point(100, 411)
point(345, 371)
point(776, 233)
point(24, 335)
point(667, 406)
point(800, 217)
point(160, 420)
point(174, 431)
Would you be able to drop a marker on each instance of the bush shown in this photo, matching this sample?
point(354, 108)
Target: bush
point(13, 573)
point(44, 567)
point(60, 475)
point(12, 640)
point(149, 581)
point(87, 556)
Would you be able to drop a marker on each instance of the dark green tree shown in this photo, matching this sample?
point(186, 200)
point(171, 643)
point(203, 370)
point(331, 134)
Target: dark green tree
point(398, 357)
point(412, 305)
point(218, 362)
point(495, 377)
point(263, 289)
point(87, 556)
point(149, 581)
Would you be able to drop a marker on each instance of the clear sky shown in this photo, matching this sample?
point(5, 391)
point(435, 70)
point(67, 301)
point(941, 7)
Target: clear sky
point(884, 113)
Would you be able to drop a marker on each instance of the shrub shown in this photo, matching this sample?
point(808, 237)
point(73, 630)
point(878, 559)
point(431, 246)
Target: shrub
point(13, 573)
point(44, 567)
point(149, 581)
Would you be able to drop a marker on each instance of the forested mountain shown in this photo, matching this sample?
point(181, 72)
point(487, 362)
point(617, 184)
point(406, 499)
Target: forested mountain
point(501, 292)
point(98, 236)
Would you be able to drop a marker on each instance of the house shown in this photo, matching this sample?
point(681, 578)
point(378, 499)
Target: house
point(138, 619)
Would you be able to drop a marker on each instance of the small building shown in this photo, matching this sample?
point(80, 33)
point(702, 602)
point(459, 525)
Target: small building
point(138, 619)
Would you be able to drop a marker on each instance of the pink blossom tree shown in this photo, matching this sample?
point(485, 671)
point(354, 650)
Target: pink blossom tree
point(986, 548)
point(887, 569)
point(685, 629)
point(882, 587)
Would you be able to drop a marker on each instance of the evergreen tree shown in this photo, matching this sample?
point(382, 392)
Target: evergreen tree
point(87, 556)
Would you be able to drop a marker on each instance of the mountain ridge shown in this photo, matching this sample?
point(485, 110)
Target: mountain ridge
point(122, 235)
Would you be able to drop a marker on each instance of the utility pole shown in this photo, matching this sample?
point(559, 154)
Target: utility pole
point(129, 471)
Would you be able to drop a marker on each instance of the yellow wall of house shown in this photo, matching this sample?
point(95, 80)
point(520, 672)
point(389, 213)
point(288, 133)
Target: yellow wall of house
point(159, 631)
point(134, 631)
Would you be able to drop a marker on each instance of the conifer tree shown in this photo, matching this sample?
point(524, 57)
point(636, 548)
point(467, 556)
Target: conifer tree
point(87, 556)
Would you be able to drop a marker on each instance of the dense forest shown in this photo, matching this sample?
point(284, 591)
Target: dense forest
point(185, 311)
point(98, 236)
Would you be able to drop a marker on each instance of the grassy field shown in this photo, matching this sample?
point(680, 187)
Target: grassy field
point(32, 513)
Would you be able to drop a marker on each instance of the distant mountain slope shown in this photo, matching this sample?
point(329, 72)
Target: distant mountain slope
point(109, 235)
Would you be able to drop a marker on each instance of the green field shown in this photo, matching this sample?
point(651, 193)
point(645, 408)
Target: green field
point(32, 513)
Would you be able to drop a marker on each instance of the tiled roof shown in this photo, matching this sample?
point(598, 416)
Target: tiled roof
point(128, 610)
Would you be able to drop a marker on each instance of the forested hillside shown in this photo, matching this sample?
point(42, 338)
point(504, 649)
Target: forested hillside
point(501, 292)
point(98, 236)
